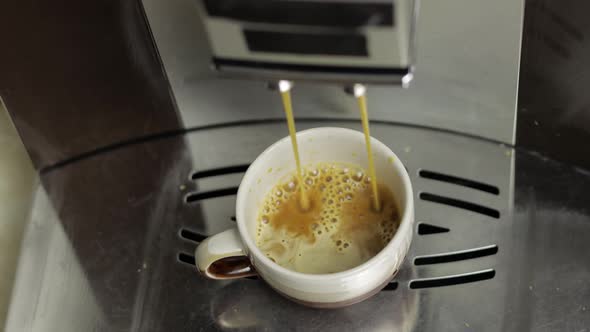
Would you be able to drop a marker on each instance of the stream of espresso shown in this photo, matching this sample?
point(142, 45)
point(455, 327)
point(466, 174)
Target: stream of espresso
point(285, 89)
point(327, 217)
point(361, 97)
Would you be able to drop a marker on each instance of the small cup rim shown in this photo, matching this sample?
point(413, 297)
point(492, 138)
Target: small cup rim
point(397, 240)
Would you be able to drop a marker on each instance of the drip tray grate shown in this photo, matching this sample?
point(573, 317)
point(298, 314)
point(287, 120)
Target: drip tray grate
point(203, 197)
point(131, 267)
point(463, 191)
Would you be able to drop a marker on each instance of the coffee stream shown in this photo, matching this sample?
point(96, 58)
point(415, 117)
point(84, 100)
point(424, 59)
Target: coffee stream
point(285, 88)
point(360, 94)
point(328, 217)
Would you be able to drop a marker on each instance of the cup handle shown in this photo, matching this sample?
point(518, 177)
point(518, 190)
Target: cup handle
point(222, 256)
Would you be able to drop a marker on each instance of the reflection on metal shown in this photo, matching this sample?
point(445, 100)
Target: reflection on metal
point(487, 164)
point(463, 81)
point(125, 239)
point(52, 291)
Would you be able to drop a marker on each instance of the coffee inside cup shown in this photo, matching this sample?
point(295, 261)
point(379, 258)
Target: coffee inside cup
point(338, 231)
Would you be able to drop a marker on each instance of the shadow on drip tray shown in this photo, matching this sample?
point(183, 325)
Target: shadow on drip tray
point(246, 304)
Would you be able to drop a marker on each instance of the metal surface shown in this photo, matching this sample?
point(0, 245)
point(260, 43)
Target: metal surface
point(85, 75)
point(110, 233)
point(377, 44)
point(80, 76)
point(465, 79)
point(554, 112)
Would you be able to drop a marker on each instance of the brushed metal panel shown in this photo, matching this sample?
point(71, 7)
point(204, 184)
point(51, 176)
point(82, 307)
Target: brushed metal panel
point(466, 77)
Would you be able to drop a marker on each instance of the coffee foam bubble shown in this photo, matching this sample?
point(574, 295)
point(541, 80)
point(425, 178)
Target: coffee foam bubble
point(339, 231)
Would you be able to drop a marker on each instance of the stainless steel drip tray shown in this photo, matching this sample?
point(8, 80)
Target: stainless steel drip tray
point(111, 239)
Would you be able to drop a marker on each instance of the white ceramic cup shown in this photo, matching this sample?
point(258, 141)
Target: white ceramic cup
point(233, 253)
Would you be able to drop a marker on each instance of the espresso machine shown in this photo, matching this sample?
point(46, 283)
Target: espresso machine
point(154, 109)
point(328, 41)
